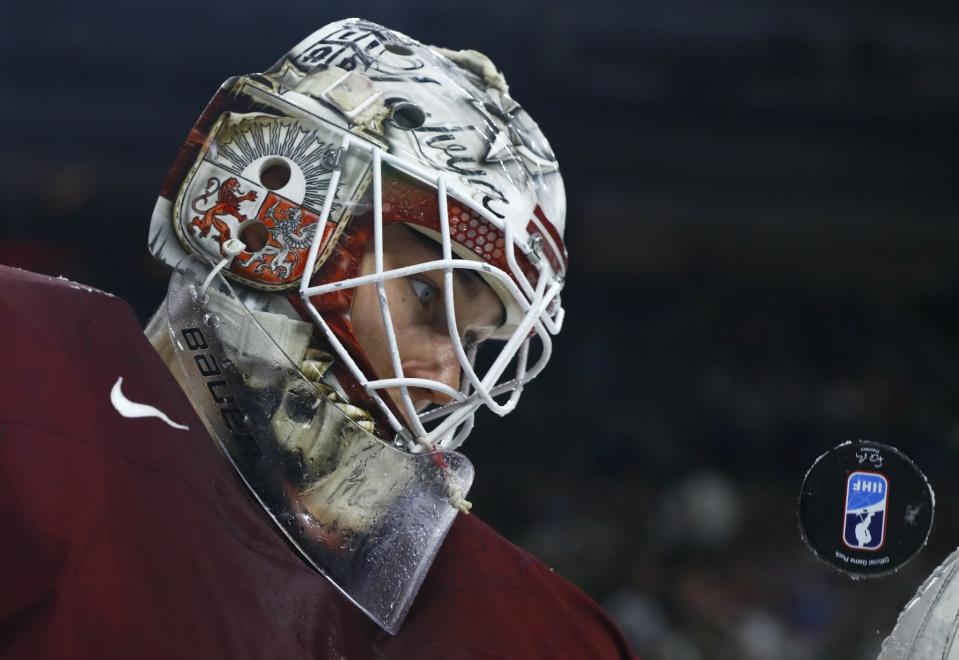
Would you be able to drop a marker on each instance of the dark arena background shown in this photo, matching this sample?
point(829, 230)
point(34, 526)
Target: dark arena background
point(764, 247)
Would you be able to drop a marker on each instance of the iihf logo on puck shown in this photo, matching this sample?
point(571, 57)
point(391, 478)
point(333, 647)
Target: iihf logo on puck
point(864, 525)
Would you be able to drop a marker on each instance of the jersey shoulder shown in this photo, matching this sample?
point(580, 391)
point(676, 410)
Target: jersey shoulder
point(63, 345)
point(487, 598)
point(11, 275)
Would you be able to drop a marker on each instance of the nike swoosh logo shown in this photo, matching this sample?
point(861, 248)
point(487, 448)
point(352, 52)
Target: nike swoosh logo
point(132, 409)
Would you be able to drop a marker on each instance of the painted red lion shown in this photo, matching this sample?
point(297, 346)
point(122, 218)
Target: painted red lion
point(227, 203)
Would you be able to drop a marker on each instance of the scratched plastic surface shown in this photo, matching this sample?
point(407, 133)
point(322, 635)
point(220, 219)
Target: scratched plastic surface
point(368, 516)
point(927, 625)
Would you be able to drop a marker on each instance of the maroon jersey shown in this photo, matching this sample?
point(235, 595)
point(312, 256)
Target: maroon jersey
point(130, 537)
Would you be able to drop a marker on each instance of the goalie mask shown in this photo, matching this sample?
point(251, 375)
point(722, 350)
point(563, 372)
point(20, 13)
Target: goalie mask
point(278, 215)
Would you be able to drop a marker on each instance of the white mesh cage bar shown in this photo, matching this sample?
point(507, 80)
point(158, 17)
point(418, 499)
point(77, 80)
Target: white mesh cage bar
point(453, 420)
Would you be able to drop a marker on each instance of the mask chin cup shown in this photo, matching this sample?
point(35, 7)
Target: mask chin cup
point(369, 516)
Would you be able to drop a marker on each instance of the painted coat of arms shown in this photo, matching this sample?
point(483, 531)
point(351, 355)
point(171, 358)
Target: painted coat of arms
point(227, 195)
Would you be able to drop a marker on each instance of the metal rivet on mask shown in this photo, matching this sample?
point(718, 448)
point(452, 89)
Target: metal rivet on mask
point(407, 115)
point(332, 158)
point(536, 244)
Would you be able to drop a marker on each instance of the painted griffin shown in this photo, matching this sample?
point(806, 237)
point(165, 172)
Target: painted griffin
point(280, 252)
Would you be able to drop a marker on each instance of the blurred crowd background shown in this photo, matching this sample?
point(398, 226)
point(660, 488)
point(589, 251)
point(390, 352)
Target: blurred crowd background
point(765, 263)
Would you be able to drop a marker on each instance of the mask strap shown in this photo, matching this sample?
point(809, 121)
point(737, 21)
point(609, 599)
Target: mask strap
point(231, 248)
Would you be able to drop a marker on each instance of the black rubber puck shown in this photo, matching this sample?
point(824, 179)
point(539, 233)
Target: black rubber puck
point(865, 508)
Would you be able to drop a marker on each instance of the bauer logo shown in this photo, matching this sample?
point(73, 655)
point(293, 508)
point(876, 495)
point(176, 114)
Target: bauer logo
point(864, 527)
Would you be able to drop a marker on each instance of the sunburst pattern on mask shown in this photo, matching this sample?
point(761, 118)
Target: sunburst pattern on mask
point(256, 137)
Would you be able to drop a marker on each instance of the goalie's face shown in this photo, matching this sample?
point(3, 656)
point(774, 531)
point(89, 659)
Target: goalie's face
point(418, 310)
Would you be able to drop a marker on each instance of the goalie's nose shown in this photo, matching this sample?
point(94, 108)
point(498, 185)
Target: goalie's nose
point(433, 360)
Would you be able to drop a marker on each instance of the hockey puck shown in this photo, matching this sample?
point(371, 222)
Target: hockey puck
point(865, 508)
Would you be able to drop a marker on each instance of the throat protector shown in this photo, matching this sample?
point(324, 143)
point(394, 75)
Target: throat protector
point(367, 515)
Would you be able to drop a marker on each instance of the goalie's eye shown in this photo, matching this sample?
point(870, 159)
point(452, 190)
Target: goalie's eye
point(424, 290)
